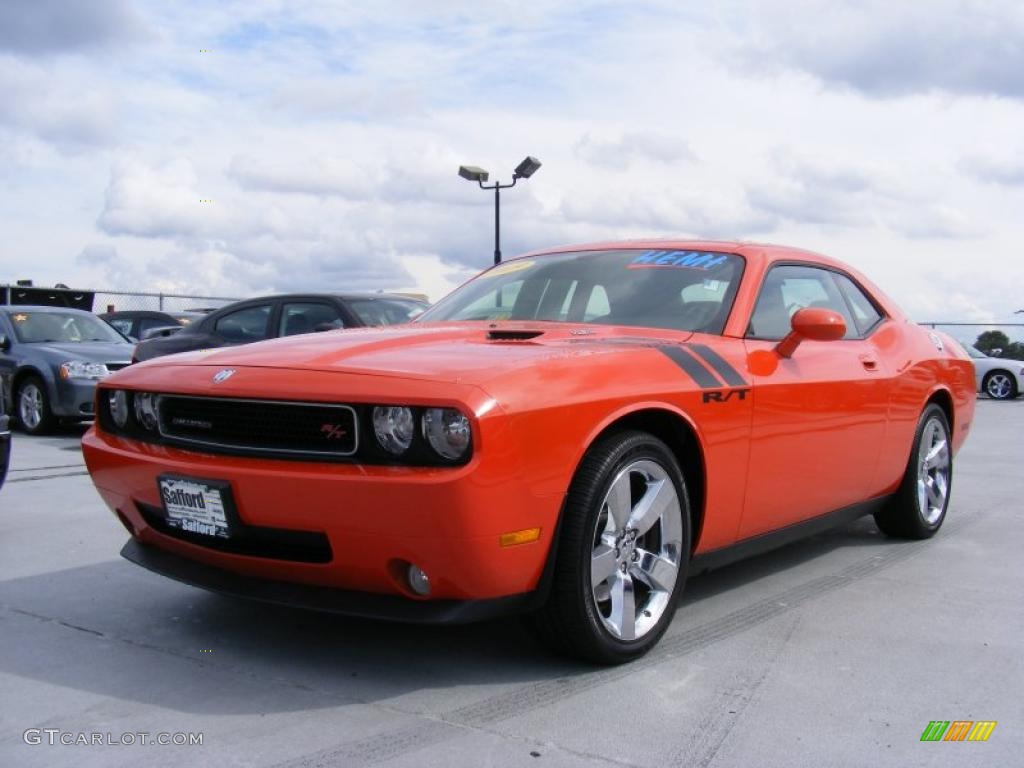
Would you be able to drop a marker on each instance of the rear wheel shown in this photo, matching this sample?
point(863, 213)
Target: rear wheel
point(33, 406)
point(999, 385)
point(918, 508)
point(623, 552)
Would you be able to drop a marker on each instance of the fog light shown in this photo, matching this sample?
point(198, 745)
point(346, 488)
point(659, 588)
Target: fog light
point(419, 582)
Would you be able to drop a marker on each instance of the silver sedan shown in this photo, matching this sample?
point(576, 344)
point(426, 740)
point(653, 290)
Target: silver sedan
point(999, 378)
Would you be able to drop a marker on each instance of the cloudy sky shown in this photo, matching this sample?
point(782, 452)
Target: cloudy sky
point(231, 148)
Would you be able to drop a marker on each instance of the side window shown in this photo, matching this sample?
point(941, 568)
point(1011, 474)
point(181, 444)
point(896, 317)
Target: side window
point(786, 290)
point(244, 325)
point(149, 323)
point(122, 324)
point(865, 314)
point(306, 317)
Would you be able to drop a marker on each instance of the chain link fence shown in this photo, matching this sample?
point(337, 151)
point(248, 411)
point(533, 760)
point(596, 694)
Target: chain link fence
point(122, 301)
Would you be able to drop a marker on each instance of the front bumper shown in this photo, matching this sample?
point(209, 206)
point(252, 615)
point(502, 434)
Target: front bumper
point(374, 519)
point(75, 398)
point(324, 599)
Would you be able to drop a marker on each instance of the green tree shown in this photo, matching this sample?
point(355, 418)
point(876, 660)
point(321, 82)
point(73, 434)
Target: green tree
point(989, 340)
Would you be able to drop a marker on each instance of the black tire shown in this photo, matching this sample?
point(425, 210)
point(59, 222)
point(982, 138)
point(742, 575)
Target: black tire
point(1000, 385)
point(904, 516)
point(571, 622)
point(33, 386)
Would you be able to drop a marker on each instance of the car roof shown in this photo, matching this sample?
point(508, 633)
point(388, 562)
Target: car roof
point(342, 296)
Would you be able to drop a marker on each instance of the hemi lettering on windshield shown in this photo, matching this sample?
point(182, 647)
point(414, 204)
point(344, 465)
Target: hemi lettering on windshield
point(688, 259)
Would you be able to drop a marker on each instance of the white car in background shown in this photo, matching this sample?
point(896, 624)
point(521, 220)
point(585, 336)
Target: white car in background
point(999, 378)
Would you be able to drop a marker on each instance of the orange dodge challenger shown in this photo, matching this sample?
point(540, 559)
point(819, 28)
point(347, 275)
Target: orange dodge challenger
point(567, 435)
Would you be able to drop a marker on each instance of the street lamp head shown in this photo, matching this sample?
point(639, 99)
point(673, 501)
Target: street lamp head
point(527, 168)
point(473, 173)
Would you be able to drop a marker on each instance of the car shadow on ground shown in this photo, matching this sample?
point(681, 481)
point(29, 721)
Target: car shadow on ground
point(115, 630)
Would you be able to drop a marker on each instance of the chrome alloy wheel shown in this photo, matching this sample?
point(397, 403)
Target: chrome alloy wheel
point(637, 545)
point(30, 406)
point(933, 471)
point(999, 386)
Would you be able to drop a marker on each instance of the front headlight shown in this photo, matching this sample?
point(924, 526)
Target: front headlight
point(394, 427)
point(79, 369)
point(145, 410)
point(447, 431)
point(118, 401)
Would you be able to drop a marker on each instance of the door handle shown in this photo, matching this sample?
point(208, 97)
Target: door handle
point(870, 362)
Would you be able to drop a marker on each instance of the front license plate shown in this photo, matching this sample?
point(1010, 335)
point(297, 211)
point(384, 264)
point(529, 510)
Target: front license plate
point(196, 506)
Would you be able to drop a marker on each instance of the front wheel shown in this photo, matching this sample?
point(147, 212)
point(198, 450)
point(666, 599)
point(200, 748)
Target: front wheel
point(34, 412)
point(918, 508)
point(999, 385)
point(623, 552)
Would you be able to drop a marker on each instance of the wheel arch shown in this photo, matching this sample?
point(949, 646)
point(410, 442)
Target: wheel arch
point(674, 428)
point(23, 373)
point(1005, 371)
point(944, 399)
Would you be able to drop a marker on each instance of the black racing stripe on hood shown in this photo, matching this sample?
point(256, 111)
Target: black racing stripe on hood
point(729, 374)
point(693, 368)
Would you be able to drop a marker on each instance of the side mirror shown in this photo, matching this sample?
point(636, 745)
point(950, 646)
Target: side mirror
point(816, 324)
point(5, 343)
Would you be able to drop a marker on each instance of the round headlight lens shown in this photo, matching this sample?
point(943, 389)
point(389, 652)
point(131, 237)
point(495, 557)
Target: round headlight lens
point(118, 400)
point(145, 410)
point(394, 426)
point(447, 431)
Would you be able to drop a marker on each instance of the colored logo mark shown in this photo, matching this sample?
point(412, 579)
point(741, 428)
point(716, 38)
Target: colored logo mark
point(688, 259)
point(958, 730)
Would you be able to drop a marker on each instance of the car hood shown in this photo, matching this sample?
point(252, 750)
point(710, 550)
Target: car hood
point(89, 351)
point(472, 353)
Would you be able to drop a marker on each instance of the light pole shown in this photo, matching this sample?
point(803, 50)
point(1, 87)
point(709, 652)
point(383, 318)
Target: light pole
point(524, 170)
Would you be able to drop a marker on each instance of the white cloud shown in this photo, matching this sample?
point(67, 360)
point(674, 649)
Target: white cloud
point(53, 26)
point(328, 135)
point(891, 49)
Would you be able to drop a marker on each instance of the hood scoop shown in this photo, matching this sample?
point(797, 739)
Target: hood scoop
point(513, 335)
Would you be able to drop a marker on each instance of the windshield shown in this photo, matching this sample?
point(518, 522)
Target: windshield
point(37, 327)
point(386, 311)
point(675, 289)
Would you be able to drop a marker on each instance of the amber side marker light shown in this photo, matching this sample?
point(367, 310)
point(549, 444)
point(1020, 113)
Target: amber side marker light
point(519, 537)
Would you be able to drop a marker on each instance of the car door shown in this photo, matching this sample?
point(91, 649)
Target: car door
point(8, 364)
point(819, 417)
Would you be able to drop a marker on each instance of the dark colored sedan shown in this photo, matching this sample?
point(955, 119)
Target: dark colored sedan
point(50, 361)
point(136, 324)
point(272, 316)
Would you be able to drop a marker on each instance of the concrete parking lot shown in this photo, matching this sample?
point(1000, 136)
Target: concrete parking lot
point(835, 651)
